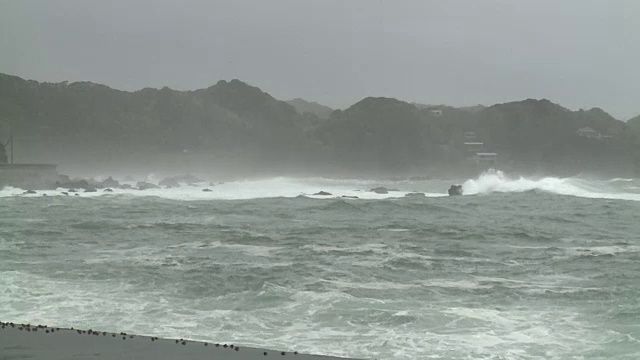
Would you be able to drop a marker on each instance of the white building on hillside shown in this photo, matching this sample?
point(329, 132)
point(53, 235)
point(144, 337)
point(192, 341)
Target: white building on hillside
point(588, 133)
point(486, 158)
point(470, 136)
point(474, 147)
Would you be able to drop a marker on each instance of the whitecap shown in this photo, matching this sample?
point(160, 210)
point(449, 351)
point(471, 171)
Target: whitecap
point(497, 181)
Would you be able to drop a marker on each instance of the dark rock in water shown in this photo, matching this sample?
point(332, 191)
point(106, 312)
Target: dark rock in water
point(90, 189)
point(323, 193)
point(76, 194)
point(65, 193)
point(415, 194)
point(126, 187)
point(380, 190)
point(110, 183)
point(29, 192)
point(207, 190)
point(350, 197)
point(72, 190)
point(143, 185)
point(108, 190)
point(455, 190)
point(81, 183)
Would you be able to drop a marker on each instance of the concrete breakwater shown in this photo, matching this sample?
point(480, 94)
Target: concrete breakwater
point(28, 341)
point(29, 176)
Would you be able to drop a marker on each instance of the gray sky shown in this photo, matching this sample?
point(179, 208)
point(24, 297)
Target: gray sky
point(579, 53)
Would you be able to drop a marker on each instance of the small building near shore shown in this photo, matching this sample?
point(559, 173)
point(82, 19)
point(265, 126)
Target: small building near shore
point(474, 146)
point(28, 176)
point(470, 136)
point(486, 158)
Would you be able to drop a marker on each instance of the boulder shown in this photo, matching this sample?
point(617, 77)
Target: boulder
point(207, 190)
point(71, 184)
point(110, 183)
point(323, 193)
point(455, 190)
point(29, 192)
point(108, 190)
point(173, 181)
point(349, 197)
point(63, 178)
point(143, 185)
point(380, 190)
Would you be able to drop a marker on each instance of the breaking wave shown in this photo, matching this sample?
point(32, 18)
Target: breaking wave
point(246, 189)
point(492, 181)
point(496, 181)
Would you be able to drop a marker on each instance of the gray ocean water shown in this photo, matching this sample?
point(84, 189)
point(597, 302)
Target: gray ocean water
point(517, 270)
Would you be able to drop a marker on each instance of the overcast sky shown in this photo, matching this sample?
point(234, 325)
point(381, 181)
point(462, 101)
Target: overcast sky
point(579, 53)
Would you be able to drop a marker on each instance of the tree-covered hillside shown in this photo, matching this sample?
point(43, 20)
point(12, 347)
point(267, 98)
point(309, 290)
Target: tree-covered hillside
point(236, 121)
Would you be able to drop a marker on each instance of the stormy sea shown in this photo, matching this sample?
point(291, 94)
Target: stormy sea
point(517, 268)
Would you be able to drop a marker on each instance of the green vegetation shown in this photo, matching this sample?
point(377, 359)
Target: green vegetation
point(382, 135)
point(303, 107)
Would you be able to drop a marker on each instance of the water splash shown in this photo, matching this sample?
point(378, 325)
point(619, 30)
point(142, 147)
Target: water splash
point(497, 181)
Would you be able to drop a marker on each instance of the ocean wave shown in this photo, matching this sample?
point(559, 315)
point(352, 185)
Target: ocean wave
point(279, 187)
point(495, 181)
point(620, 180)
point(492, 181)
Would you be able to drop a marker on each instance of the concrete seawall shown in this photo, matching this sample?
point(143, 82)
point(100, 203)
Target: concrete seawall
point(28, 341)
point(28, 176)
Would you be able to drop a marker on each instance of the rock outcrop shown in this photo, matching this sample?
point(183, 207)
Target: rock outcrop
point(455, 190)
point(380, 190)
point(143, 185)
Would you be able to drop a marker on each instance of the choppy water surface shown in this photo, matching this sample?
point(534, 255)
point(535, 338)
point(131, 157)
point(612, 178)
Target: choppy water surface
point(546, 268)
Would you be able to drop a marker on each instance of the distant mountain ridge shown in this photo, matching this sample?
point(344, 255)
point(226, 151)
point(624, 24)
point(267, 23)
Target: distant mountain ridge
point(303, 106)
point(242, 125)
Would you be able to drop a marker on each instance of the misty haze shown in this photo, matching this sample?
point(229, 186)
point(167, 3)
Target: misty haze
point(335, 179)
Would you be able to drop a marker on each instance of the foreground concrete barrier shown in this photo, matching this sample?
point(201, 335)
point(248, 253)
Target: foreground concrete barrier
point(28, 341)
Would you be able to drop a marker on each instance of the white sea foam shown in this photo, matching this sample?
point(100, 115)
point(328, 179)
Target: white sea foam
point(496, 181)
point(620, 180)
point(487, 182)
point(242, 190)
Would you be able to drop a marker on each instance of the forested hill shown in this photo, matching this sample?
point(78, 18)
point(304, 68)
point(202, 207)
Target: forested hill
point(304, 106)
point(529, 134)
point(240, 122)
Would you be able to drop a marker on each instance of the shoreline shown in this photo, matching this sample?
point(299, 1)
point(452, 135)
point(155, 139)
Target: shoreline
point(26, 341)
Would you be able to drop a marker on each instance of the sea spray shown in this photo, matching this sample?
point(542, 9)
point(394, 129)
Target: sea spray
point(493, 180)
